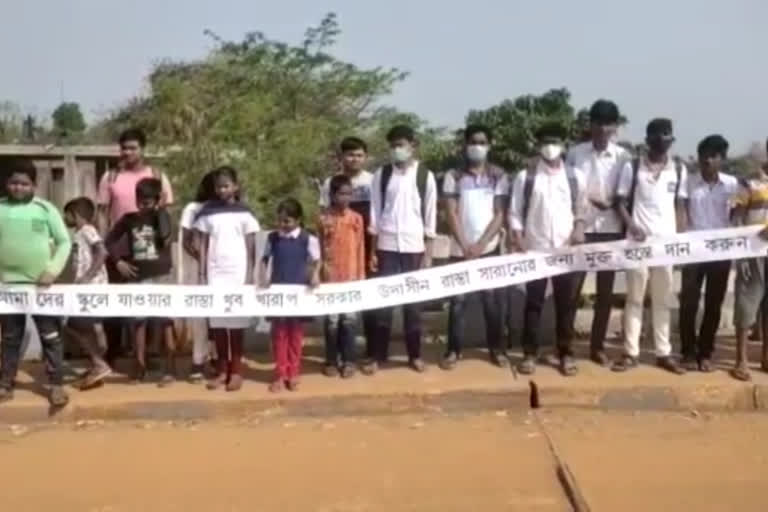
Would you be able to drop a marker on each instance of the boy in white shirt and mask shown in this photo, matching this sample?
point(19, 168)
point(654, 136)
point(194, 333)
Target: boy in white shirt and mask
point(402, 228)
point(475, 197)
point(547, 213)
point(652, 200)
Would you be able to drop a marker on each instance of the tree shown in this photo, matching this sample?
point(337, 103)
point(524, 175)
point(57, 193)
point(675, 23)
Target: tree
point(68, 120)
point(273, 110)
point(11, 122)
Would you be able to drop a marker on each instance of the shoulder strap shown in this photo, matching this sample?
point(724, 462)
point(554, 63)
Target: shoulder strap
point(573, 185)
point(633, 185)
point(386, 174)
point(530, 179)
point(422, 173)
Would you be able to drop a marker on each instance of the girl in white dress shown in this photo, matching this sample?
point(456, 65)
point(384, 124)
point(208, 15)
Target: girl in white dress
point(227, 257)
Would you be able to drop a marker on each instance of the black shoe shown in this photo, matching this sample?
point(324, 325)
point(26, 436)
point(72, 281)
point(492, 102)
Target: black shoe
point(599, 357)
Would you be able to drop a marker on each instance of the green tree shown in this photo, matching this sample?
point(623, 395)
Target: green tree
point(514, 123)
point(68, 120)
point(273, 110)
point(11, 122)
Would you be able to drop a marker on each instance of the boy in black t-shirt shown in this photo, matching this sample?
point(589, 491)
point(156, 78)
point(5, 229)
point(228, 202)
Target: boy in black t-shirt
point(148, 261)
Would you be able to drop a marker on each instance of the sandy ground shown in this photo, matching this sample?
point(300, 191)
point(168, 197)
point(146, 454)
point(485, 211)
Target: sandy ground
point(489, 462)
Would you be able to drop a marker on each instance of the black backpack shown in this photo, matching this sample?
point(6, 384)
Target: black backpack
point(530, 180)
point(422, 173)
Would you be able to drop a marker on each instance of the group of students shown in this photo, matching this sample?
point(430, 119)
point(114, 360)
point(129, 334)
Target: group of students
point(383, 224)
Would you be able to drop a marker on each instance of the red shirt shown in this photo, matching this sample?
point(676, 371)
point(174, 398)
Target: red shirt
point(342, 241)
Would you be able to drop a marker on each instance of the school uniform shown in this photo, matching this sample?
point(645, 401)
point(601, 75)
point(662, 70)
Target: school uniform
point(476, 195)
point(602, 170)
point(554, 205)
point(709, 207)
point(401, 223)
point(188, 272)
point(654, 211)
point(291, 255)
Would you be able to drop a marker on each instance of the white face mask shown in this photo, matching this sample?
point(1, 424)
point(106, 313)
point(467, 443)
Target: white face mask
point(401, 154)
point(551, 152)
point(477, 153)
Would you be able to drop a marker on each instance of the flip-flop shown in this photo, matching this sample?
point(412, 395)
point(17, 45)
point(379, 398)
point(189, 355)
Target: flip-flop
point(568, 366)
point(624, 364)
point(741, 373)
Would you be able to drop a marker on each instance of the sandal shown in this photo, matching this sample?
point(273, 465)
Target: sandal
point(166, 380)
point(449, 361)
point(58, 397)
point(217, 382)
point(417, 365)
point(690, 364)
point(625, 363)
point(235, 383)
point(668, 363)
point(347, 371)
point(94, 378)
point(292, 384)
point(527, 366)
point(330, 370)
point(499, 359)
point(568, 366)
point(705, 365)
point(369, 367)
point(741, 373)
point(276, 386)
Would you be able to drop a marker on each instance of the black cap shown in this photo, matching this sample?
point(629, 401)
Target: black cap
point(604, 112)
point(552, 131)
point(659, 127)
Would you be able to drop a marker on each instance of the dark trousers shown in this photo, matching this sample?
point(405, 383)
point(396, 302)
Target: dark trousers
point(114, 327)
point(49, 330)
point(393, 263)
point(716, 274)
point(457, 316)
point(563, 286)
point(340, 339)
point(604, 295)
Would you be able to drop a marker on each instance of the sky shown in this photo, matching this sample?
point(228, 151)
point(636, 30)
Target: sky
point(697, 61)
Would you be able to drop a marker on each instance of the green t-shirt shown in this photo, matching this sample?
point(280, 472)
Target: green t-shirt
point(33, 240)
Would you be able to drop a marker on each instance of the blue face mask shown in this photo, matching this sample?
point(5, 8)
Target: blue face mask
point(401, 154)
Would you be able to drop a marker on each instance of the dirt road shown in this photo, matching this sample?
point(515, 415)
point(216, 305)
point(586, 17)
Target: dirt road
point(485, 462)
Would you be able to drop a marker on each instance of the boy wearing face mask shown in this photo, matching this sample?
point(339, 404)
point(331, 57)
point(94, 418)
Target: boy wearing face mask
point(601, 160)
point(547, 213)
point(402, 228)
point(475, 198)
point(652, 200)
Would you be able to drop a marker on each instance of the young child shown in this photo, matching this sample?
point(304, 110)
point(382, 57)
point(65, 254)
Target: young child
point(149, 234)
point(295, 258)
point(89, 257)
point(342, 240)
point(188, 272)
point(227, 257)
point(34, 248)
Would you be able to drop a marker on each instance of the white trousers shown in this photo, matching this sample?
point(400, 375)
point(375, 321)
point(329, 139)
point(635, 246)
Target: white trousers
point(661, 282)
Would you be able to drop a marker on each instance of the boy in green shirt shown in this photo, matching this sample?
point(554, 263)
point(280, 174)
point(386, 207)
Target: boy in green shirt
point(29, 226)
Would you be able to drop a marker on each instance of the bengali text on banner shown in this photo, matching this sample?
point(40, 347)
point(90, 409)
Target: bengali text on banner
point(423, 285)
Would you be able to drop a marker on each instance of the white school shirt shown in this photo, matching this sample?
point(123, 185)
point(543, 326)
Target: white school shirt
point(653, 207)
point(313, 244)
point(550, 214)
point(602, 170)
point(361, 189)
point(709, 204)
point(400, 226)
point(475, 194)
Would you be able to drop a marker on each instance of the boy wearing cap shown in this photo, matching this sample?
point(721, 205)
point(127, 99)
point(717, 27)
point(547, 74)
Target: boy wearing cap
point(546, 213)
point(652, 197)
point(601, 161)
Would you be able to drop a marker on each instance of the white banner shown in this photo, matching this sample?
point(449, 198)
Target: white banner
point(420, 286)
